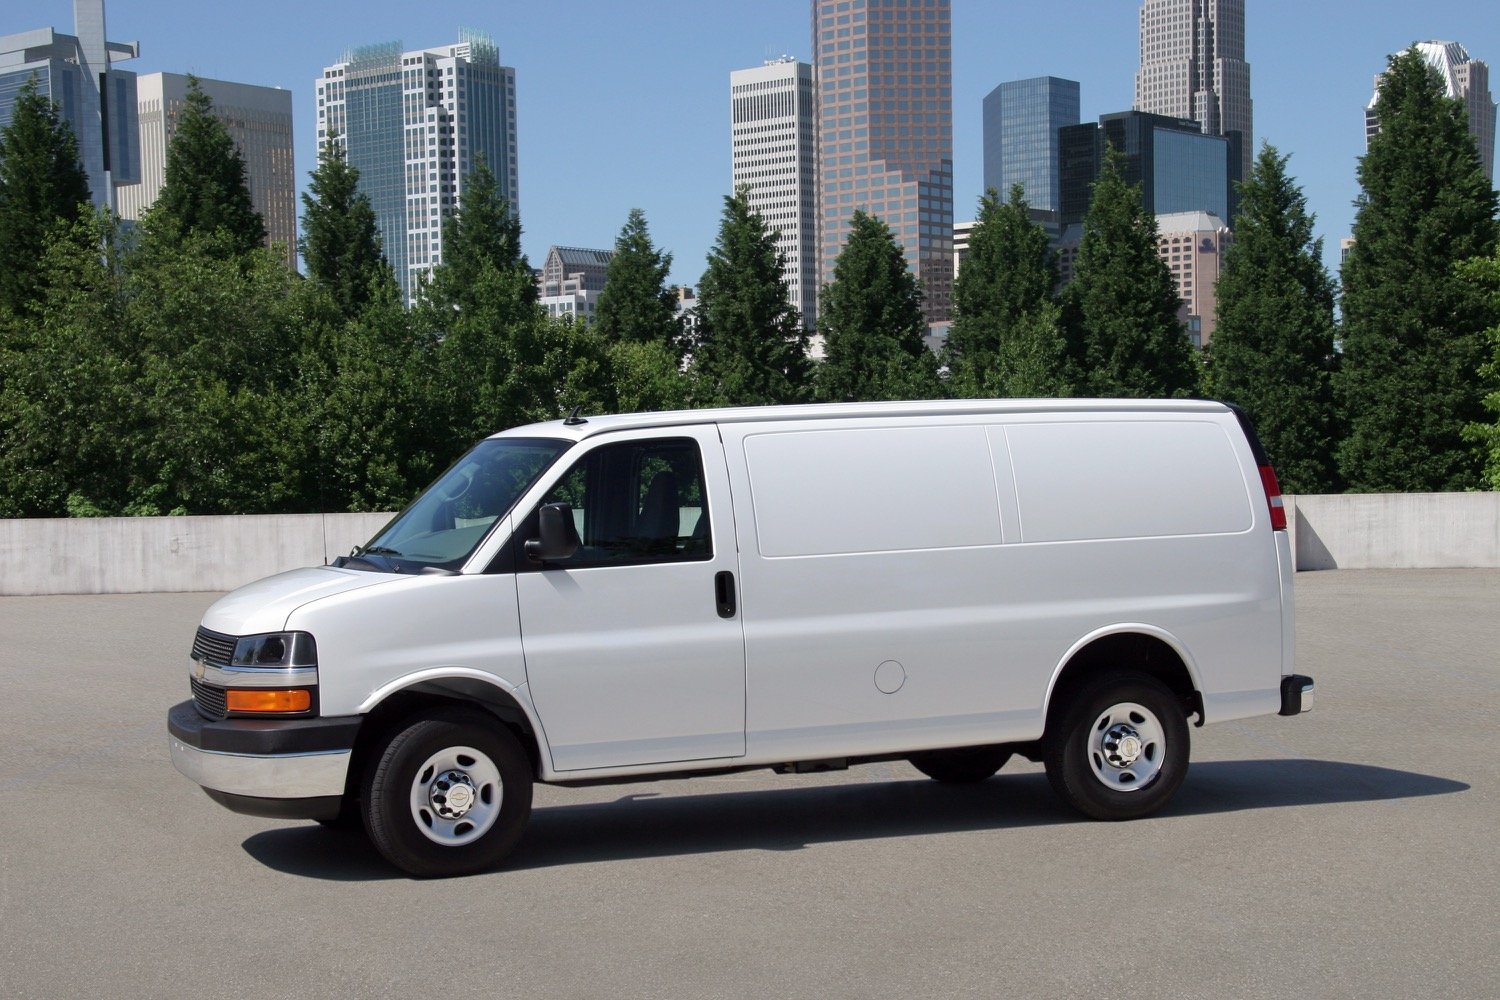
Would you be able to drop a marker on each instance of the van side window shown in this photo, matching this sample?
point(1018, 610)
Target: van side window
point(637, 502)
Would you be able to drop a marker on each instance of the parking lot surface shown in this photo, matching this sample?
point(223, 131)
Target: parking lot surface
point(1351, 852)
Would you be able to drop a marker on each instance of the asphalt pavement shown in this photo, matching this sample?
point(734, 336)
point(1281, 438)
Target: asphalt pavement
point(1351, 852)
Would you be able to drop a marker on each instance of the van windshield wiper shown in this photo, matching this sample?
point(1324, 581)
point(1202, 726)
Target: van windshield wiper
point(375, 550)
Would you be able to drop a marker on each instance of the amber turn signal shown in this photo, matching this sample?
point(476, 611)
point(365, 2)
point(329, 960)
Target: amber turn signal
point(269, 700)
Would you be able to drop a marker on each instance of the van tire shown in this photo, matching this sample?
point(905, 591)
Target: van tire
point(447, 793)
point(960, 765)
point(1119, 749)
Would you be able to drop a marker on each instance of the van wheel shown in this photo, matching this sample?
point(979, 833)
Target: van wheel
point(1120, 748)
point(962, 765)
point(448, 794)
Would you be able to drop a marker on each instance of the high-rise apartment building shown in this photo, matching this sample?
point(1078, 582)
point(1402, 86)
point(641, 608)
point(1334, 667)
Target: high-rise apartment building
point(77, 72)
point(1178, 168)
point(1021, 119)
point(415, 125)
point(1464, 78)
point(772, 113)
point(885, 124)
point(258, 119)
point(1193, 66)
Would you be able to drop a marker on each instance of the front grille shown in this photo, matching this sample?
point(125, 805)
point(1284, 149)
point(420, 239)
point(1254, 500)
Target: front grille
point(213, 647)
point(211, 702)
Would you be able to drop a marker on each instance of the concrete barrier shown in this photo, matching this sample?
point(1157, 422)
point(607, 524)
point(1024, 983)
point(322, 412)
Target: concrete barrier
point(122, 555)
point(1395, 530)
point(125, 555)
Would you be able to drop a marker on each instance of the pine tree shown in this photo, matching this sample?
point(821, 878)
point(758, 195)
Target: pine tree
point(1127, 338)
point(205, 186)
point(483, 236)
point(1006, 338)
point(1273, 344)
point(750, 348)
point(636, 305)
point(1412, 328)
point(340, 242)
point(42, 185)
point(1483, 276)
point(871, 321)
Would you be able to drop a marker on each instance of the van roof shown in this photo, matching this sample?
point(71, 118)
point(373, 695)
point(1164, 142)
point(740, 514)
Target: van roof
point(588, 426)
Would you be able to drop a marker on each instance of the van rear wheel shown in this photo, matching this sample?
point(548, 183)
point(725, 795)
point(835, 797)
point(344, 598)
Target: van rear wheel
point(961, 765)
point(448, 794)
point(1120, 748)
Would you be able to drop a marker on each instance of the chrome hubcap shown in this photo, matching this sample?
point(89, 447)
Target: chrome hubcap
point(456, 796)
point(1127, 745)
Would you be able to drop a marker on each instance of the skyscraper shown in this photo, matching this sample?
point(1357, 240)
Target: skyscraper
point(1021, 119)
point(1178, 168)
point(1464, 78)
point(258, 119)
point(772, 115)
point(1193, 66)
point(415, 125)
point(885, 123)
point(77, 72)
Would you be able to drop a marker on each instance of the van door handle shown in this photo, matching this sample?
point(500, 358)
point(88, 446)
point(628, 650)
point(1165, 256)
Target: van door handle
point(724, 593)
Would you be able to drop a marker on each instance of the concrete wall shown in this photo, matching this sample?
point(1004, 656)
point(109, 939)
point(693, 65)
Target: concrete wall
point(1395, 530)
point(120, 555)
point(123, 555)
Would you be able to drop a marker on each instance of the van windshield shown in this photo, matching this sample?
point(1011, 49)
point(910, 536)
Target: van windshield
point(445, 524)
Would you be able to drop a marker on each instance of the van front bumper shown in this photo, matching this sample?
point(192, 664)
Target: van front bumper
point(282, 768)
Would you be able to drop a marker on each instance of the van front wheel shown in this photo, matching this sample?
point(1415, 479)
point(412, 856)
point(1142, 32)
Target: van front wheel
point(1120, 748)
point(448, 794)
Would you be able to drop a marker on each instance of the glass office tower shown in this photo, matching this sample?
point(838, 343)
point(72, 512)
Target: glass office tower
point(1021, 120)
point(885, 126)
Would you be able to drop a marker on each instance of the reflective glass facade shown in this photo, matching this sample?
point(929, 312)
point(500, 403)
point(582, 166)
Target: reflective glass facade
point(414, 124)
point(1021, 123)
point(1190, 173)
point(1178, 168)
point(885, 128)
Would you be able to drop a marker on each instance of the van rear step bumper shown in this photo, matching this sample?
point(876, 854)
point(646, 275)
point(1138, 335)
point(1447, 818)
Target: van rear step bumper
point(1296, 694)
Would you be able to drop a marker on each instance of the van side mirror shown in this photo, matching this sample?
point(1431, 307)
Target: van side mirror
point(559, 536)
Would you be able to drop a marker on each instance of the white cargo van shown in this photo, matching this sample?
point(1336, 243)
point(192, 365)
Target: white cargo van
point(799, 588)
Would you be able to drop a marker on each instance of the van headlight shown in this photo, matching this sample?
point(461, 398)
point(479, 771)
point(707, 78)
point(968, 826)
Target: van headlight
point(275, 649)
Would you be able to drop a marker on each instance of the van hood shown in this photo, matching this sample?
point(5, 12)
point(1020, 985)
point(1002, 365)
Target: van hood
point(265, 605)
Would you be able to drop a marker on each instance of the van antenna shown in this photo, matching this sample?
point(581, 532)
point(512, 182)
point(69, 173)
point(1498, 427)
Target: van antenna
point(574, 419)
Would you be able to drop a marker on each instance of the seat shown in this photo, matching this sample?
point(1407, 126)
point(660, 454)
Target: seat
point(661, 514)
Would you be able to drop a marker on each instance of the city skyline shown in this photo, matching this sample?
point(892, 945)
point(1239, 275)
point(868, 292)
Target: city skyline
point(633, 111)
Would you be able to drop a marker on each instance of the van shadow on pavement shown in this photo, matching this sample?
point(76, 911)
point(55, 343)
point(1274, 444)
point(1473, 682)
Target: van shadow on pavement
point(652, 825)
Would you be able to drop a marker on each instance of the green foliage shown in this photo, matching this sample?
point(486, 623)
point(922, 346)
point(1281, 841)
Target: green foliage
point(340, 242)
point(482, 237)
point(1483, 276)
point(871, 320)
point(1412, 327)
point(1007, 337)
point(636, 305)
point(1123, 302)
point(750, 348)
point(1273, 346)
point(205, 188)
point(42, 184)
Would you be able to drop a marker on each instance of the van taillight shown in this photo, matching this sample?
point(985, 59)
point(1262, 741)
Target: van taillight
point(1273, 498)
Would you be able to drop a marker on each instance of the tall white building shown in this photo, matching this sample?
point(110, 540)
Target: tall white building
point(258, 119)
point(1193, 66)
point(415, 124)
point(1464, 78)
point(772, 110)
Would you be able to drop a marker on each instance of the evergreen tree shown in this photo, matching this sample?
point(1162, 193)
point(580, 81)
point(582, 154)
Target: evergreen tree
point(750, 347)
point(42, 184)
point(340, 242)
point(1412, 328)
point(1006, 337)
point(1483, 275)
point(1123, 302)
point(1273, 344)
point(205, 186)
point(482, 236)
point(871, 320)
point(636, 305)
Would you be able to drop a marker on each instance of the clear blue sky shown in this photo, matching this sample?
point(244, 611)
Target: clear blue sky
point(625, 104)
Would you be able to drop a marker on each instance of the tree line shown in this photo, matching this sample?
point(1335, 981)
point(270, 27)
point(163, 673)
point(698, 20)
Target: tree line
point(180, 366)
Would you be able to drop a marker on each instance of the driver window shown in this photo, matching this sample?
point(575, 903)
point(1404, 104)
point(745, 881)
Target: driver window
point(637, 502)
